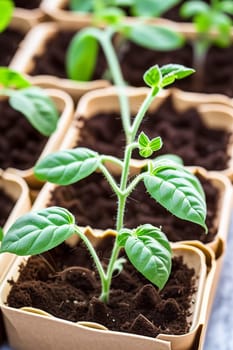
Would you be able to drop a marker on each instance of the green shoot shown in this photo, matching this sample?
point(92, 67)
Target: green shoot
point(168, 182)
point(32, 102)
point(6, 12)
point(213, 24)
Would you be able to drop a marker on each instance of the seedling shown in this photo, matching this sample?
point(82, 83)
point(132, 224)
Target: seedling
point(32, 102)
point(146, 8)
point(6, 11)
point(83, 50)
point(213, 25)
point(168, 182)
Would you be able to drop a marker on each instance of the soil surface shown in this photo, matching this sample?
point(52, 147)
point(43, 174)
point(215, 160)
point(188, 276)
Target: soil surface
point(29, 5)
point(6, 205)
point(93, 203)
point(183, 133)
point(20, 143)
point(135, 305)
point(134, 64)
point(9, 43)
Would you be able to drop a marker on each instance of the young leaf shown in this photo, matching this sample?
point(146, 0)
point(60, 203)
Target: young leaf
point(153, 77)
point(81, 57)
point(147, 146)
point(68, 166)
point(225, 6)
point(37, 107)
point(169, 157)
point(152, 8)
point(9, 78)
point(149, 251)
point(152, 37)
point(171, 72)
point(6, 12)
point(192, 8)
point(37, 232)
point(110, 15)
point(81, 6)
point(179, 192)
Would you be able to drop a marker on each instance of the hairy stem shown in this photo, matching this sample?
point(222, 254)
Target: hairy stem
point(200, 49)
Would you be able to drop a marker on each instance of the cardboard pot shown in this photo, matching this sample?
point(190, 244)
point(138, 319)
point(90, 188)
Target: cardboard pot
point(64, 105)
point(29, 326)
point(18, 190)
point(214, 115)
point(36, 15)
point(23, 61)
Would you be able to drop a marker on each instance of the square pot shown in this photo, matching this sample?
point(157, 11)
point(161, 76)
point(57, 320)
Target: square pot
point(214, 113)
point(23, 61)
point(64, 105)
point(28, 326)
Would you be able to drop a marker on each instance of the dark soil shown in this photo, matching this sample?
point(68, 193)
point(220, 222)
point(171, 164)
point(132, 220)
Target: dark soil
point(20, 143)
point(29, 5)
point(135, 60)
point(6, 205)
point(135, 305)
point(92, 202)
point(183, 134)
point(9, 43)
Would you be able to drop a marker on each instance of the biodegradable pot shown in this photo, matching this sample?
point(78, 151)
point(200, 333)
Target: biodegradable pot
point(64, 105)
point(28, 326)
point(213, 111)
point(23, 61)
point(18, 24)
point(18, 190)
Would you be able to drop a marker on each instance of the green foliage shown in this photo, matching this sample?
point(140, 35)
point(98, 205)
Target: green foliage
point(31, 101)
point(35, 233)
point(146, 146)
point(81, 57)
point(12, 79)
point(178, 191)
point(212, 21)
point(68, 166)
point(166, 181)
point(6, 12)
point(37, 107)
point(1, 234)
point(149, 251)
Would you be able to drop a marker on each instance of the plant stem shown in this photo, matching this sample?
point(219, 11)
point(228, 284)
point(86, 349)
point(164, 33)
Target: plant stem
point(93, 254)
point(141, 113)
point(200, 49)
point(106, 42)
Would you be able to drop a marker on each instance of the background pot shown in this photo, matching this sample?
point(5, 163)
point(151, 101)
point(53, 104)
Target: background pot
point(64, 105)
point(35, 15)
point(18, 190)
point(68, 335)
point(23, 61)
point(214, 115)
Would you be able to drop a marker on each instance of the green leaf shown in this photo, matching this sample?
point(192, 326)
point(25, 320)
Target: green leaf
point(152, 37)
point(67, 166)
point(6, 12)
point(152, 8)
point(171, 72)
point(153, 77)
point(38, 232)
point(110, 16)
point(1, 234)
point(149, 251)
point(9, 78)
point(37, 107)
point(193, 8)
point(179, 192)
point(81, 56)
point(226, 6)
point(81, 6)
point(147, 146)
